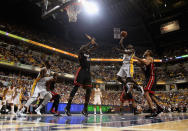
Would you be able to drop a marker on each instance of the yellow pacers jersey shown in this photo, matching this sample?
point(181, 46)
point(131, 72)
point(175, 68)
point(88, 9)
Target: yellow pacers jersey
point(131, 66)
point(34, 85)
point(128, 63)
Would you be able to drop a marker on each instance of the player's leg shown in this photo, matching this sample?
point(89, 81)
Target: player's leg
point(139, 87)
point(1, 104)
point(72, 94)
point(95, 105)
point(79, 79)
point(87, 97)
point(151, 104)
point(47, 98)
point(29, 102)
point(156, 101)
point(147, 89)
point(95, 109)
point(99, 103)
point(10, 102)
point(100, 109)
point(56, 103)
point(12, 108)
point(122, 101)
point(134, 106)
point(121, 74)
point(149, 100)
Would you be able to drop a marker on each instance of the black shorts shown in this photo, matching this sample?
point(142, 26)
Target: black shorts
point(150, 84)
point(126, 96)
point(83, 77)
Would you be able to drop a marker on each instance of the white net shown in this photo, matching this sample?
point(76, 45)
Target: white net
point(72, 11)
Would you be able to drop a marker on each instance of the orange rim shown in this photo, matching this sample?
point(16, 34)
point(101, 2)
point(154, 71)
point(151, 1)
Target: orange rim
point(75, 3)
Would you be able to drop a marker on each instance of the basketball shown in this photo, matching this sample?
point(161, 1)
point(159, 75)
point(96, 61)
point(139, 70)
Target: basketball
point(123, 33)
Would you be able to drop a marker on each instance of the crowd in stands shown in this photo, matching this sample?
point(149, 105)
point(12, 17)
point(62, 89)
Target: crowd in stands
point(171, 101)
point(22, 54)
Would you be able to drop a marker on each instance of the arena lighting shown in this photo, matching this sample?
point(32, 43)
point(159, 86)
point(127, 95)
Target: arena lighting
point(90, 7)
point(61, 51)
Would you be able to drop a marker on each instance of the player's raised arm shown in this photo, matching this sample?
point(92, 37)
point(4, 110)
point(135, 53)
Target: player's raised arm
point(121, 43)
point(89, 46)
point(146, 61)
point(123, 35)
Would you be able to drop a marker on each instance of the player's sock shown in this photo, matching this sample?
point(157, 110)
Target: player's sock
point(22, 110)
point(40, 107)
point(94, 110)
point(1, 106)
point(12, 109)
point(18, 107)
point(100, 110)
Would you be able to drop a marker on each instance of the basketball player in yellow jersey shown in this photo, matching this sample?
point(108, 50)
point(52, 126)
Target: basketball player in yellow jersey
point(48, 73)
point(126, 71)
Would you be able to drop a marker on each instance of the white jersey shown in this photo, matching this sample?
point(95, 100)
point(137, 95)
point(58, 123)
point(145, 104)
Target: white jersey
point(41, 87)
point(41, 84)
point(97, 97)
point(98, 92)
point(9, 95)
point(127, 59)
point(127, 69)
point(10, 91)
point(17, 97)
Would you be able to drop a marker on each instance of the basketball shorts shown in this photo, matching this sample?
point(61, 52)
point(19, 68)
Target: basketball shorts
point(17, 100)
point(126, 96)
point(97, 101)
point(83, 78)
point(150, 84)
point(126, 71)
point(8, 99)
point(39, 92)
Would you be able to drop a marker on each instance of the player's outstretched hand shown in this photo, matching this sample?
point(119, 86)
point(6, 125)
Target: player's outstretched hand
point(89, 37)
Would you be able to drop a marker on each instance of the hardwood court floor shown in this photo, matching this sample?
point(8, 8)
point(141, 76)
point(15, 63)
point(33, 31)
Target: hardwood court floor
point(106, 122)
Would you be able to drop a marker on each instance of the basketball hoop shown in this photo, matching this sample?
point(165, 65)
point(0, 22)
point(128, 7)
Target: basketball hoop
point(73, 10)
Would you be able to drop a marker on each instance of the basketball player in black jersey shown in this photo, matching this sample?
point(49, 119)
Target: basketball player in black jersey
point(83, 76)
point(150, 82)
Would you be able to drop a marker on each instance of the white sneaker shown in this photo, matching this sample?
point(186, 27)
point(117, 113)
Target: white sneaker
point(13, 113)
point(95, 113)
point(19, 114)
point(38, 112)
